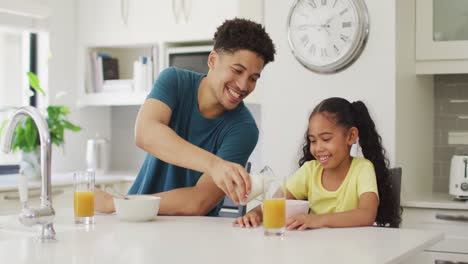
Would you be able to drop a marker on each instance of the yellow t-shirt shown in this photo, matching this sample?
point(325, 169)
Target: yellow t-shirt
point(306, 184)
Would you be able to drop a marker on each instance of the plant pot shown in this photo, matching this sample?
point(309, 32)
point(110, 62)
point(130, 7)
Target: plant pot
point(30, 164)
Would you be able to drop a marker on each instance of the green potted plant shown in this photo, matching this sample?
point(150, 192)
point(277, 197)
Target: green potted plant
point(26, 137)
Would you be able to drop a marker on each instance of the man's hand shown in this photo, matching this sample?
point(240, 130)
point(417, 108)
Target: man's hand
point(232, 178)
point(252, 219)
point(305, 221)
point(103, 202)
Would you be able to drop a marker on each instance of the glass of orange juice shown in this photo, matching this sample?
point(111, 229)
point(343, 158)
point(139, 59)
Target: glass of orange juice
point(274, 206)
point(83, 197)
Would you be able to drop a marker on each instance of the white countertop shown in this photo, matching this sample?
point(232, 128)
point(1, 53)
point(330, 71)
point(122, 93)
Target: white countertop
point(10, 182)
point(210, 240)
point(434, 201)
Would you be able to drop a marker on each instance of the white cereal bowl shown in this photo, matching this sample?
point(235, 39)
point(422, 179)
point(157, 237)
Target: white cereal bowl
point(137, 208)
point(295, 207)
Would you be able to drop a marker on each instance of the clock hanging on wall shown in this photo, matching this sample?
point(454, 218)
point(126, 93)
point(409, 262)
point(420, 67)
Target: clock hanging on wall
point(327, 36)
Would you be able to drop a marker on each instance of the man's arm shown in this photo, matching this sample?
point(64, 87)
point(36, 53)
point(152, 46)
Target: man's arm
point(197, 200)
point(153, 135)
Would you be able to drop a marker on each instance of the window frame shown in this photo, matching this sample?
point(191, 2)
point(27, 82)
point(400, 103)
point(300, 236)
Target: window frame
point(14, 168)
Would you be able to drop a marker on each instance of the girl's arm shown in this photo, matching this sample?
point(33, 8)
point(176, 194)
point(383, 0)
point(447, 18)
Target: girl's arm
point(364, 215)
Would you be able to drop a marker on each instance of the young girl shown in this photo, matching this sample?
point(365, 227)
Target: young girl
point(343, 191)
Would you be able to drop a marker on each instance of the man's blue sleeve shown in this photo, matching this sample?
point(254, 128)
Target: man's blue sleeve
point(165, 88)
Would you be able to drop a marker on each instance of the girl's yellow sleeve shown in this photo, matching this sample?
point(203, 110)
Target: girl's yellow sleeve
point(367, 179)
point(298, 183)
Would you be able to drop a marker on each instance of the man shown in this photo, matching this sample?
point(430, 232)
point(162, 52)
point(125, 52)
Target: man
point(196, 129)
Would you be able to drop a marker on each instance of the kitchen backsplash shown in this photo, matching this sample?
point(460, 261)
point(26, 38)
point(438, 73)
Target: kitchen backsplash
point(451, 115)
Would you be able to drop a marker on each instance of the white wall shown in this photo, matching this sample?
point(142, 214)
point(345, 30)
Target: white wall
point(63, 78)
point(289, 91)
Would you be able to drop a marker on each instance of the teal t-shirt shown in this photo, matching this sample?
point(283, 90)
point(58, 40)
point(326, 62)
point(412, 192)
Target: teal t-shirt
point(231, 136)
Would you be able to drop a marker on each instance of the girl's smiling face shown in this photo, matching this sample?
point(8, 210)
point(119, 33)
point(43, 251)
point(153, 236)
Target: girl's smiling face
point(329, 143)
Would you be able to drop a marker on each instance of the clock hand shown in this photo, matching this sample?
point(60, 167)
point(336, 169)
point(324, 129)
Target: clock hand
point(304, 26)
point(329, 20)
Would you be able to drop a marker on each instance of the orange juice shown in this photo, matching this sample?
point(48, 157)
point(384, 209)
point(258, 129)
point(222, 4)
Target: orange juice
point(84, 204)
point(274, 213)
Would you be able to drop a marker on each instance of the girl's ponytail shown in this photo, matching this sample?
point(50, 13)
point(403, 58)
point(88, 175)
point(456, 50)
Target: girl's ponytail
point(389, 212)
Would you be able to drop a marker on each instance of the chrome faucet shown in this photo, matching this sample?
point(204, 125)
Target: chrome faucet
point(43, 215)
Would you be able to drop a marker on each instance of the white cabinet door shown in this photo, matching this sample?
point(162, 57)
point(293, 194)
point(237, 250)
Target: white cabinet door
point(100, 22)
point(108, 22)
point(441, 36)
point(179, 20)
point(453, 249)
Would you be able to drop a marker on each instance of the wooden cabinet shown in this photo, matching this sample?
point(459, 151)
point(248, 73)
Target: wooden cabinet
point(441, 36)
point(454, 247)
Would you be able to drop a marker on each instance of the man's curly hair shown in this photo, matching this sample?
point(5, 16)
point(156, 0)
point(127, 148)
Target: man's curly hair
point(242, 34)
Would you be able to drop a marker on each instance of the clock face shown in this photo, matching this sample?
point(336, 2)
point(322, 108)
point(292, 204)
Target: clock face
point(326, 36)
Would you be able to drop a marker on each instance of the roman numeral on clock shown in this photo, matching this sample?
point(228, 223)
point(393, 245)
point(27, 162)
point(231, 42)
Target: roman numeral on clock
point(336, 48)
point(305, 40)
point(324, 2)
point(323, 52)
point(344, 11)
point(346, 24)
point(344, 38)
point(312, 3)
point(312, 49)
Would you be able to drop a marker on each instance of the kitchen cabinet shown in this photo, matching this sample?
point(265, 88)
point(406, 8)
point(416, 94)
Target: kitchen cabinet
point(454, 247)
point(109, 22)
point(441, 36)
point(126, 27)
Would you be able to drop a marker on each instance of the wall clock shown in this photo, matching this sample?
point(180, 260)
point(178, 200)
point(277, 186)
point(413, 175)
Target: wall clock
point(327, 36)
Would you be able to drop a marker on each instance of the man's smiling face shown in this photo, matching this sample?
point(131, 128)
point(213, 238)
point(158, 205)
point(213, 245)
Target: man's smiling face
point(235, 75)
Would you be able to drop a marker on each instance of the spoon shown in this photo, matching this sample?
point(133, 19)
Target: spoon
point(116, 194)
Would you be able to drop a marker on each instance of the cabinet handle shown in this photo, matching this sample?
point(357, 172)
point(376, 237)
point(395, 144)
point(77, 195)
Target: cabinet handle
point(438, 261)
point(15, 196)
point(124, 6)
point(457, 218)
point(182, 10)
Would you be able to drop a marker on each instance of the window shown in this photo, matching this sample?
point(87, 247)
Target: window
point(21, 29)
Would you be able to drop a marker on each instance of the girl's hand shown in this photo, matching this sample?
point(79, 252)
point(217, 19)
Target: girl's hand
point(305, 221)
point(251, 219)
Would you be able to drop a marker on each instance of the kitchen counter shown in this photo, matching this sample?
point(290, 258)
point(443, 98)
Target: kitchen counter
point(209, 240)
point(434, 201)
point(10, 182)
